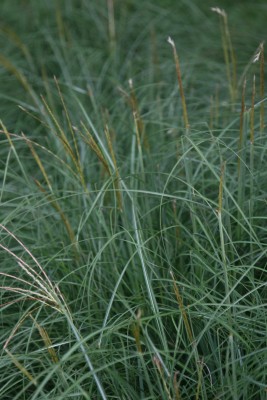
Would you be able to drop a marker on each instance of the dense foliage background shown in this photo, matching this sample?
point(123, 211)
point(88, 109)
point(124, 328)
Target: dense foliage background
point(133, 245)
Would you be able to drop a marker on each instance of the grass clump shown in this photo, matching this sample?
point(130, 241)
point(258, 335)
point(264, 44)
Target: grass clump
point(132, 236)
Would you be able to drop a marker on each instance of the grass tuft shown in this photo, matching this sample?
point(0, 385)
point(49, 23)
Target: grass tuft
point(133, 215)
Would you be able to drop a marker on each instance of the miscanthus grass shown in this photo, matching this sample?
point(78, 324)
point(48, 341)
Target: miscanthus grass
point(133, 201)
